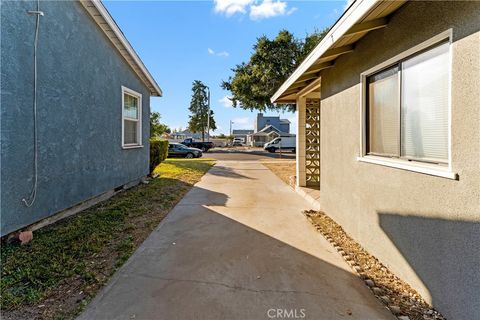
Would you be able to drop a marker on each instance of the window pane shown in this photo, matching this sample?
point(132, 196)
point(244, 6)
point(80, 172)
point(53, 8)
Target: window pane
point(130, 106)
point(130, 132)
point(383, 112)
point(425, 105)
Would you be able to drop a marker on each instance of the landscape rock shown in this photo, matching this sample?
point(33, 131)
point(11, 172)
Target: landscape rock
point(370, 283)
point(402, 299)
point(395, 309)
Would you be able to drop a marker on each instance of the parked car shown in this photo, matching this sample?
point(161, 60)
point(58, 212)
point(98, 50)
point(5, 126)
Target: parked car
point(283, 143)
point(204, 146)
point(180, 150)
point(237, 142)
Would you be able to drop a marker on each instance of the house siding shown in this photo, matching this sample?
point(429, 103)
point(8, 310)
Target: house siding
point(80, 75)
point(425, 228)
point(284, 127)
point(262, 121)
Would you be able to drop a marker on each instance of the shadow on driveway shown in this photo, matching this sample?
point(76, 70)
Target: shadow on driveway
point(223, 254)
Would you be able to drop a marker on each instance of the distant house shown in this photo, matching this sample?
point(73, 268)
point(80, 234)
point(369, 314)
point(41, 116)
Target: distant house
point(89, 133)
point(267, 129)
point(270, 132)
point(241, 134)
point(185, 134)
point(388, 113)
point(261, 122)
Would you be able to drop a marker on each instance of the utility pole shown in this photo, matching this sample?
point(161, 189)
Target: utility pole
point(208, 116)
point(231, 122)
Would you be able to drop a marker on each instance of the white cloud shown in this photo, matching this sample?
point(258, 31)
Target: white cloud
point(258, 9)
point(226, 102)
point(347, 4)
point(242, 122)
point(230, 7)
point(292, 10)
point(223, 54)
point(269, 9)
point(219, 54)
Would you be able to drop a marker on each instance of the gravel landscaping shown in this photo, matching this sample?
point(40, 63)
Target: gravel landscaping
point(402, 300)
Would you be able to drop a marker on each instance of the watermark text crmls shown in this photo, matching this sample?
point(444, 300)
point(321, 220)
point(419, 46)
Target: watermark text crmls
point(285, 313)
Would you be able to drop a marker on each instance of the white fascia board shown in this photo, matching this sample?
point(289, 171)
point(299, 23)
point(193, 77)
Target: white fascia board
point(354, 13)
point(119, 34)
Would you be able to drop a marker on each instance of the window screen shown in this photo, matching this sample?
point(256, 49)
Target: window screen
point(130, 132)
point(425, 105)
point(130, 106)
point(131, 120)
point(384, 115)
point(407, 108)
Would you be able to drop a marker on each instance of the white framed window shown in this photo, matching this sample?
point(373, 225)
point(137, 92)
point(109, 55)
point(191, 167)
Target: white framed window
point(406, 110)
point(131, 119)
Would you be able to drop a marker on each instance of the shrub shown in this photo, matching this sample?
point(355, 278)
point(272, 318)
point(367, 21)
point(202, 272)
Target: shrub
point(158, 152)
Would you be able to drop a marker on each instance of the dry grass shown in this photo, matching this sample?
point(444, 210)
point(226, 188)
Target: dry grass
point(67, 263)
point(283, 169)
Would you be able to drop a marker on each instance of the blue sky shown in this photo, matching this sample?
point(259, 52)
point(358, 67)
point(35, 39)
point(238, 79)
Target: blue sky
point(183, 41)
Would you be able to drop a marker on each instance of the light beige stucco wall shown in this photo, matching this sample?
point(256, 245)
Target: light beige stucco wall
point(425, 228)
point(300, 171)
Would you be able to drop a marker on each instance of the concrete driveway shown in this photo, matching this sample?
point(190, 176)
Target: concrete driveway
point(236, 247)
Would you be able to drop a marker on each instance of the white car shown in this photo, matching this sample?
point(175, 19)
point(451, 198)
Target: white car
point(237, 142)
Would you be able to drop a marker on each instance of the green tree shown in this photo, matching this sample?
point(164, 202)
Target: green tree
point(157, 128)
point(310, 42)
point(271, 63)
point(199, 110)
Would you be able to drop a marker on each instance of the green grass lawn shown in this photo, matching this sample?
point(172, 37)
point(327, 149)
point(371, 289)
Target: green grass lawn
point(66, 264)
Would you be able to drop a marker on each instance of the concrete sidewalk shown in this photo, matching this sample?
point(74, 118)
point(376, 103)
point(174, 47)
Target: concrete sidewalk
point(236, 247)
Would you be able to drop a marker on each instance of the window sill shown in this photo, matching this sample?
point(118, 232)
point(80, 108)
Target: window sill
point(132, 147)
point(430, 169)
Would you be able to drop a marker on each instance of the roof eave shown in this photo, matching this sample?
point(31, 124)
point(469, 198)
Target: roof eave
point(351, 16)
point(123, 42)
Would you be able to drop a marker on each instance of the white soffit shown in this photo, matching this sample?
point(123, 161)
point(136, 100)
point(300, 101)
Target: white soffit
point(360, 18)
point(105, 21)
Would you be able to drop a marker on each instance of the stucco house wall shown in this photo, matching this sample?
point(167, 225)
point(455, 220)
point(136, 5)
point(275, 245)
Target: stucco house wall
point(425, 228)
point(80, 75)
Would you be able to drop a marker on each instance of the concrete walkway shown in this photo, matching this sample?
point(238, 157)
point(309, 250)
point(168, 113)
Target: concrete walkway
point(236, 247)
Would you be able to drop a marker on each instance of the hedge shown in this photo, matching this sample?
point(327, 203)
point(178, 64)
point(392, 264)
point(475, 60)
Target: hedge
point(158, 152)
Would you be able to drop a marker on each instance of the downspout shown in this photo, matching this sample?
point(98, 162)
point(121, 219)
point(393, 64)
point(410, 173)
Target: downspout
point(33, 193)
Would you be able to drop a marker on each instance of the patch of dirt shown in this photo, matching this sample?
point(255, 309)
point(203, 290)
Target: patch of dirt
point(402, 300)
point(285, 170)
point(73, 294)
point(146, 206)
